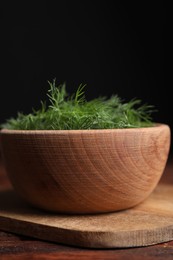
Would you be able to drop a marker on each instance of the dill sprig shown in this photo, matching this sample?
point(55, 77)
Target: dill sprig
point(66, 112)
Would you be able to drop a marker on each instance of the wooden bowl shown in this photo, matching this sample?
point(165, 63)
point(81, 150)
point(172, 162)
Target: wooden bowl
point(85, 171)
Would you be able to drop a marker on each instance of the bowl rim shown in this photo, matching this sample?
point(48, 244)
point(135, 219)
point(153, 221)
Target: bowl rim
point(156, 126)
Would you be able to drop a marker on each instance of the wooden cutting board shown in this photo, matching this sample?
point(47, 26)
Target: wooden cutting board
point(149, 223)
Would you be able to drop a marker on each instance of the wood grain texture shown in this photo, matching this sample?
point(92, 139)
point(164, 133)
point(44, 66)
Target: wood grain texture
point(15, 247)
point(149, 223)
point(86, 171)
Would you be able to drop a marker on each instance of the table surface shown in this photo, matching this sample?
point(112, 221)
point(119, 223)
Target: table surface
point(20, 247)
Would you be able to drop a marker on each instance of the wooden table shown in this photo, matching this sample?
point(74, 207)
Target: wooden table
point(20, 247)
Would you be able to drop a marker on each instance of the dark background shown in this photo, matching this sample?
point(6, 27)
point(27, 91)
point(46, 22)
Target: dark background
point(115, 47)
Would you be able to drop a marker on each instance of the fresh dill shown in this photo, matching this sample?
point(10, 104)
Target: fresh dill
point(66, 112)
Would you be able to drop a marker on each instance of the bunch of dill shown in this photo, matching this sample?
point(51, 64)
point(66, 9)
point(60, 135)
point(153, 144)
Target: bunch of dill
point(74, 112)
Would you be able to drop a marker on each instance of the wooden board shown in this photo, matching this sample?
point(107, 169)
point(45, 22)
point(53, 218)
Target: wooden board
point(149, 223)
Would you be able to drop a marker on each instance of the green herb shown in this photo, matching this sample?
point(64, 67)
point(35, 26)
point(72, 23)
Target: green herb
point(74, 112)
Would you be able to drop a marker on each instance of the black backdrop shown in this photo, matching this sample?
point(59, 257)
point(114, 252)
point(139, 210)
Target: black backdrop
point(115, 47)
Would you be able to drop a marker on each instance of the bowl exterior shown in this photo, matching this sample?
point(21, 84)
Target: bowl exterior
point(85, 171)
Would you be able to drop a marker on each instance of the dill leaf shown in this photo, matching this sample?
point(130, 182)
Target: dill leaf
point(66, 112)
